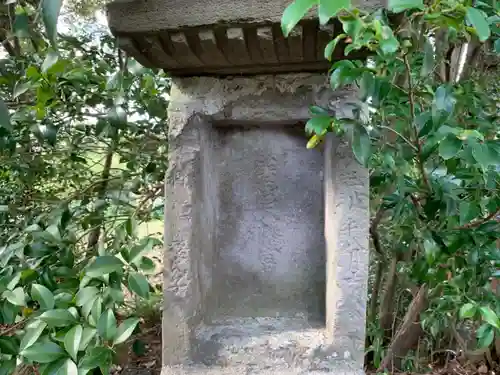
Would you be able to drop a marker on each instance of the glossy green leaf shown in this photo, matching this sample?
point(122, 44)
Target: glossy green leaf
point(58, 318)
point(43, 296)
point(138, 284)
point(449, 147)
point(86, 295)
point(328, 9)
point(9, 345)
point(32, 334)
point(98, 357)
point(398, 6)
point(21, 88)
point(72, 341)
point(468, 211)
point(16, 296)
point(428, 62)
point(51, 58)
point(45, 352)
point(88, 334)
point(125, 330)
point(468, 310)
point(330, 47)
point(294, 13)
point(4, 116)
point(318, 125)
point(485, 336)
point(64, 367)
point(50, 15)
point(361, 144)
point(490, 316)
point(478, 21)
point(104, 265)
point(106, 326)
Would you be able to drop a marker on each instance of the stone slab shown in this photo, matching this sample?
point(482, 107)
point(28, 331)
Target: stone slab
point(226, 37)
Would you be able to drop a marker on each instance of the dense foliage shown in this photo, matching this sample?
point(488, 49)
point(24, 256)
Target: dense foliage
point(82, 159)
point(428, 129)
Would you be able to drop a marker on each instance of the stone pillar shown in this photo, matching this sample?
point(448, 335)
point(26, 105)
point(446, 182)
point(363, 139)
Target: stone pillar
point(244, 233)
point(347, 252)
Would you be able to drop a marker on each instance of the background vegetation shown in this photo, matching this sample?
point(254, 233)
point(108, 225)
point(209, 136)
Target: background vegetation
point(82, 158)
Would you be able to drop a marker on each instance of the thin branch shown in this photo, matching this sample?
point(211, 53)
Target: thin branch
point(411, 96)
point(480, 221)
point(401, 136)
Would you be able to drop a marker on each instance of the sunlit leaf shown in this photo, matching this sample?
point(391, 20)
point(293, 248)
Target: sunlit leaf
point(138, 284)
point(361, 144)
point(106, 326)
point(479, 22)
point(43, 352)
point(294, 13)
point(398, 6)
point(104, 265)
point(72, 341)
point(125, 330)
point(50, 14)
point(328, 9)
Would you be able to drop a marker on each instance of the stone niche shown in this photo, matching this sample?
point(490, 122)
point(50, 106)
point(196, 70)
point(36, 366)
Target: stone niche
point(266, 241)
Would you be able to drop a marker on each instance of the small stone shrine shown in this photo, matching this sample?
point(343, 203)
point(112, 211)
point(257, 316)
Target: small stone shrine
point(266, 242)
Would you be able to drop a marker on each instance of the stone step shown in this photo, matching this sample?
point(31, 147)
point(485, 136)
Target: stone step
point(282, 345)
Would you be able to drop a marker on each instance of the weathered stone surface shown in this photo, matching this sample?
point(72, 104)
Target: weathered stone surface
point(223, 37)
point(245, 278)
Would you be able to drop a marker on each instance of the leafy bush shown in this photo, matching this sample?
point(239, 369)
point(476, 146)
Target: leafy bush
point(82, 156)
point(428, 129)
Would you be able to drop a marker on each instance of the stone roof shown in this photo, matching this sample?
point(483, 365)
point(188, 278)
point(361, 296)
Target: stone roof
point(220, 37)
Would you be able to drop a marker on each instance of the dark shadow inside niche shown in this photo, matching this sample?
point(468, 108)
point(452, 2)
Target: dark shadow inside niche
point(270, 249)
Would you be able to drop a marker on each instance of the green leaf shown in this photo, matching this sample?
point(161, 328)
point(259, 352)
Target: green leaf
point(125, 330)
point(106, 326)
point(330, 8)
point(478, 21)
point(43, 352)
point(145, 245)
point(428, 63)
point(72, 341)
point(468, 211)
point(138, 284)
point(86, 295)
point(497, 46)
point(88, 334)
point(361, 144)
point(97, 357)
point(50, 14)
point(104, 265)
point(330, 47)
point(43, 296)
point(16, 296)
point(489, 316)
point(32, 334)
point(50, 60)
point(58, 318)
point(63, 367)
point(4, 116)
point(389, 43)
point(467, 311)
point(294, 13)
point(344, 73)
point(318, 125)
point(21, 24)
point(485, 336)
point(9, 345)
point(398, 6)
point(483, 155)
point(20, 89)
point(449, 147)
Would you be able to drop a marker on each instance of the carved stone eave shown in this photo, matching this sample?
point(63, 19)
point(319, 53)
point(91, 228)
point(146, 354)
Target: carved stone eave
point(223, 37)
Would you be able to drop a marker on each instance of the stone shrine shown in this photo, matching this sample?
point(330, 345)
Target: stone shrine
point(266, 242)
